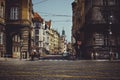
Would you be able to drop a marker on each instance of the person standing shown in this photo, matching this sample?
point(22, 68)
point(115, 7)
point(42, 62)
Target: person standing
point(33, 54)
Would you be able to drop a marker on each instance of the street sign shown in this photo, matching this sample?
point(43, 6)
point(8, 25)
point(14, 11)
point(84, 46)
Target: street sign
point(79, 42)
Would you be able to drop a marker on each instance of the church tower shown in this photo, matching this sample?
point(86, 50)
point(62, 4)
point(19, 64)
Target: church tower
point(63, 43)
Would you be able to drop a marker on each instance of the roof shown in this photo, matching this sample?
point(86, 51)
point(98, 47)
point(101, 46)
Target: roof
point(48, 23)
point(37, 17)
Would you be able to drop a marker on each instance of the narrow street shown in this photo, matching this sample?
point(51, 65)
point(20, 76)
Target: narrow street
point(15, 69)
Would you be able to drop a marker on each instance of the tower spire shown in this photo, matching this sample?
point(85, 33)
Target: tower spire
point(63, 32)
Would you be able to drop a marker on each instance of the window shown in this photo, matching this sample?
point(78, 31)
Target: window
point(36, 32)
point(97, 2)
point(111, 2)
point(105, 2)
point(16, 38)
point(1, 9)
point(1, 38)
point(14, 14)
point(98, 39)
point(37, 40)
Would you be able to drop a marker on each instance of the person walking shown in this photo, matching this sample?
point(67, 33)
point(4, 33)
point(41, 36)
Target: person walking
point(33, 54)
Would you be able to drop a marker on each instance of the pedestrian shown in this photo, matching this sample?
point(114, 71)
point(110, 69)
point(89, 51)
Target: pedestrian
point(92, 55)
point(111, 55)
point(96, 55)
point(33, 55)
point(116, 55)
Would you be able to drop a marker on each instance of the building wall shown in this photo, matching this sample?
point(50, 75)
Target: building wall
point(56, 42)
point(2, 28)
point(47, 39)
point(18, 27)
point(78, 7)
point(99, 27)
point(63, 42)
point(2, 10)
point(51, 41)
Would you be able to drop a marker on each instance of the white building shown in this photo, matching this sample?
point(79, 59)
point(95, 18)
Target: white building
point(38, 32)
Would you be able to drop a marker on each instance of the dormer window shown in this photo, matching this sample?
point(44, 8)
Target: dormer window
point(14, 13)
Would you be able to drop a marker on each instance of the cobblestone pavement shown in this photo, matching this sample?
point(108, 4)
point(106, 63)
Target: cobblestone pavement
point(15, 69)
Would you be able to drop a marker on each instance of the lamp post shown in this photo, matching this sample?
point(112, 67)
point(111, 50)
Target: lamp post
point(110, 34)
point(21, 45)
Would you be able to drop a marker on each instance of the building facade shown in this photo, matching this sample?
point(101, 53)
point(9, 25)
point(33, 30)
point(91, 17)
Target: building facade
point(99, 33)
point(47, 36)
point(2, 28)
point(18, 15)
point(56, 42)
point(78, 8)
point(52, 38)
point(38, 33)
point(63, 42)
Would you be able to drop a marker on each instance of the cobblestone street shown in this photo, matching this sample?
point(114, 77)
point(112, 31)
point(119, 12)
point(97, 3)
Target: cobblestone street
point(15, 69)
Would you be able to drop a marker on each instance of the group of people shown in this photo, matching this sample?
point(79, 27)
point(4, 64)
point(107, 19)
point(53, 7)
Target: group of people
point(94, 55)
point(113, 56)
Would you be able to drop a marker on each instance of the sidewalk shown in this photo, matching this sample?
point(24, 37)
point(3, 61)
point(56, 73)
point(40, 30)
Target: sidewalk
point(12, 59)
point(17, 59)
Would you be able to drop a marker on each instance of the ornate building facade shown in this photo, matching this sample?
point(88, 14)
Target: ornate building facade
point(18, 15)
point(99, 33)
point(38, 32)
point(45, 39)
point(2, 28)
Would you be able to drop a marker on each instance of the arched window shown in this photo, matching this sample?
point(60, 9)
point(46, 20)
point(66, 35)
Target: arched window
point(16, 40)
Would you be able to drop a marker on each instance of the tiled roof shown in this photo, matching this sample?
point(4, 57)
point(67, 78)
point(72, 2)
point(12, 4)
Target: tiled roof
point(38, 17)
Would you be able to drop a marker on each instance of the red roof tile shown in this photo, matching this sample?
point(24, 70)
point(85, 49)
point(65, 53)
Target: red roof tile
point(38, 17)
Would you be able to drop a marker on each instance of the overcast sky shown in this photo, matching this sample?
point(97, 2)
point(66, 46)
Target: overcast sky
point(59, 11)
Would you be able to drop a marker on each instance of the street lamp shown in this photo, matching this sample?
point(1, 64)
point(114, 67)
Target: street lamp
point(21, 45)
point(110, 34)
point(111, 16)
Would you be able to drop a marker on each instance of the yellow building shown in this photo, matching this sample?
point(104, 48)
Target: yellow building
point(18, 27)
point(54, 38)
point(51, 41)
point(56, 42)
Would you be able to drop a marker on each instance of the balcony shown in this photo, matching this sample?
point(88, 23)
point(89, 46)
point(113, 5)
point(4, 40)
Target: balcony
point(19, 22)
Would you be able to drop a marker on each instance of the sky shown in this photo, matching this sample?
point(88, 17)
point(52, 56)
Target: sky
point(58, 11)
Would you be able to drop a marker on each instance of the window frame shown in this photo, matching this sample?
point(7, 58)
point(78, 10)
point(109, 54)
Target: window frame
point(2, 9)
point(14, 13)
point(1, 38)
